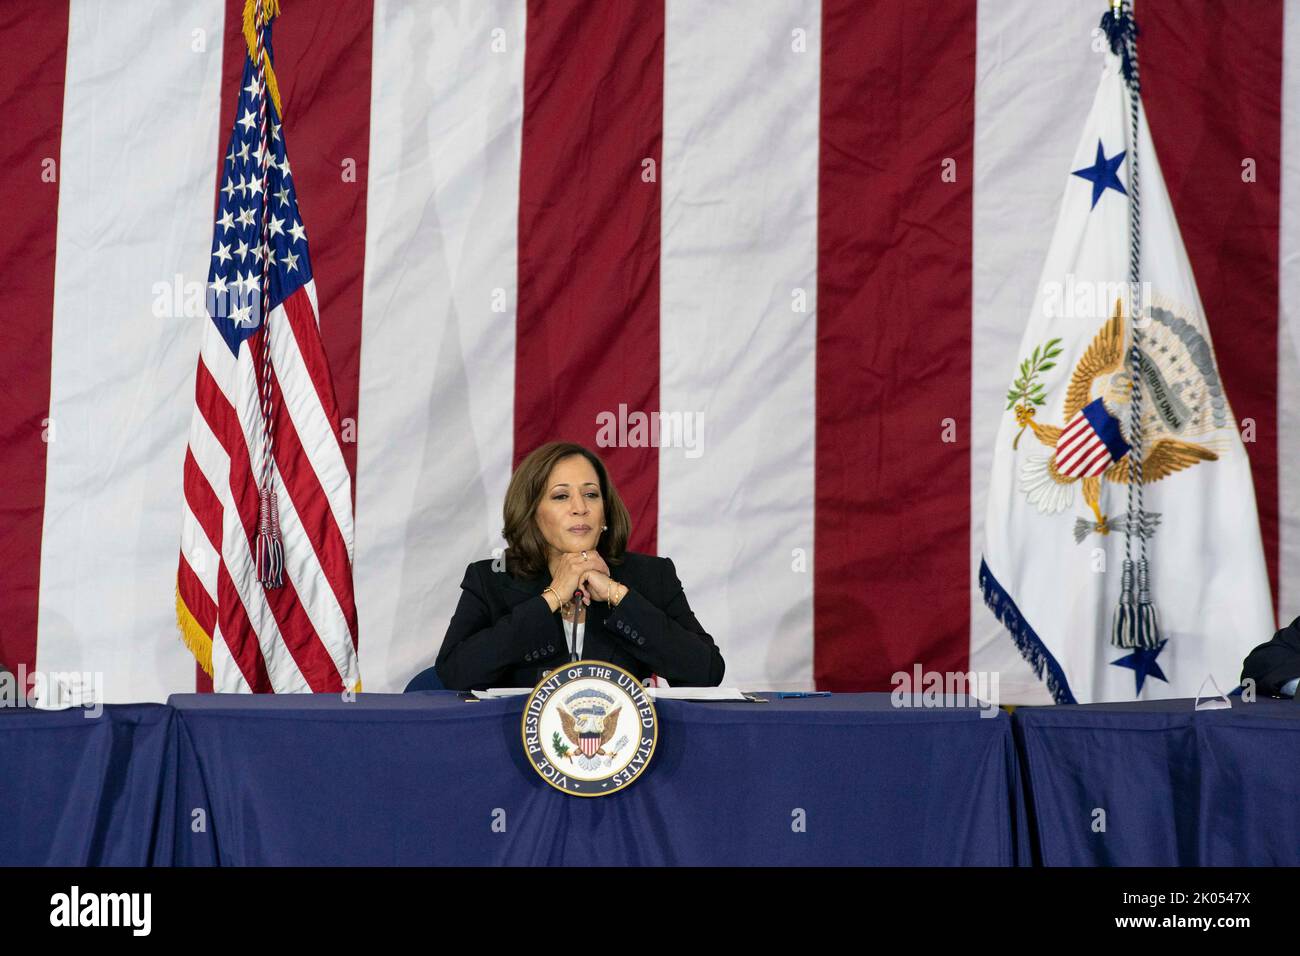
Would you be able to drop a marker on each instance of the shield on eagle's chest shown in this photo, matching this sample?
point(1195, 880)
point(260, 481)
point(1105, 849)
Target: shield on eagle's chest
point(589, 742)
point(1090, 442)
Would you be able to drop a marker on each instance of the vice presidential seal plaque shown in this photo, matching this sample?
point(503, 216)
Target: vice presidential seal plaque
point(589, 728)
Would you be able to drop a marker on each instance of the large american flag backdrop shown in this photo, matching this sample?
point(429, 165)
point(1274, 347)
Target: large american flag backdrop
point(811, 229)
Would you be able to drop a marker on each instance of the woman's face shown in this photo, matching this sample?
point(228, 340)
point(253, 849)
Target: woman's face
point(571, 511)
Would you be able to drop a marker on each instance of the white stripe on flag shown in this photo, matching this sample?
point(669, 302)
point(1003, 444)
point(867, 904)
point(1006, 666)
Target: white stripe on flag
point(437, 375)
point(224, 664)
point(1033, 75)
point(1071, 438)
point(1098, 463)
point(136, 185)
point(1081, 453)
point(739, 237)
point(319, 602)
point(199, 552)
point(302, 401)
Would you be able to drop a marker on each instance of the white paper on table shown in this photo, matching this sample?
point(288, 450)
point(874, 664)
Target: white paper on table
point(656, 693)
point(696, 693)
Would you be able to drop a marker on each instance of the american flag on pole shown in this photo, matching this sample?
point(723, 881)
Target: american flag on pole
point(264, 470)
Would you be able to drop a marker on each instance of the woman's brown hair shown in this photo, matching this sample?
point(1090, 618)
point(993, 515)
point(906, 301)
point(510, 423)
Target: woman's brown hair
point(526, 551)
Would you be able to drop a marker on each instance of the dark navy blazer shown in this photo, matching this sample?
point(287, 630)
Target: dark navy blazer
point(1275, 662)
point(504, 634)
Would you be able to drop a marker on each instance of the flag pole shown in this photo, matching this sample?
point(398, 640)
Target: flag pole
point(270, 549)
point(1135, 624)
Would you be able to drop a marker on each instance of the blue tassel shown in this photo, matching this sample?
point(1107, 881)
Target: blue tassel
point(1135, 623)
point(1123, 628)
point(1148, 627)
point(1121, 31)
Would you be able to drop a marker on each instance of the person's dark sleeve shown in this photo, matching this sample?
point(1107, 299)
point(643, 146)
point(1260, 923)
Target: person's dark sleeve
point(669, 640)
point(1275, 662)
point(476, 653)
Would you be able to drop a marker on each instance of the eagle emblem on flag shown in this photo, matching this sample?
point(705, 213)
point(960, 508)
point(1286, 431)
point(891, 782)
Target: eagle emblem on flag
point(1183, 398)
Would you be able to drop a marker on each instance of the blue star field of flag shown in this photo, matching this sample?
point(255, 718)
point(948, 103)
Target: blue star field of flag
point(235, 276)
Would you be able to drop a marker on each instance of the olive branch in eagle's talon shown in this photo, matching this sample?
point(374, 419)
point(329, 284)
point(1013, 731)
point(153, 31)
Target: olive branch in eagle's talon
point(561, 748)
point(1026, 391)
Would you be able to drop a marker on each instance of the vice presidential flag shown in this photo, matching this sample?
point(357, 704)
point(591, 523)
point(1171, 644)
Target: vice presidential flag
point(301, 635)
point(1058, 497)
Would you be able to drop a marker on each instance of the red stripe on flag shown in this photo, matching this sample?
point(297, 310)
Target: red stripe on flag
point(238, 634)
point(302, 322)
point(234, 51)
point(206, 508)
point(202, 500)
point(892, 578)
point(1076, 426)
point(1078, 448)
point(1073, 447)
point(587, 333)
point(200, 605)
point(33, 54)
point(1073, 434)
point(1212, 87)
point(1098, 460)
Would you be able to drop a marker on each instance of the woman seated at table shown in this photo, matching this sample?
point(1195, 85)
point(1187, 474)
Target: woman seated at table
point(567, 530)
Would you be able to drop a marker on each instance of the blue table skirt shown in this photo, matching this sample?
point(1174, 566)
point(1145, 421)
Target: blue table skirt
point(422, 778)
point(419, 778)
point(1178, 787)
point(77, 790)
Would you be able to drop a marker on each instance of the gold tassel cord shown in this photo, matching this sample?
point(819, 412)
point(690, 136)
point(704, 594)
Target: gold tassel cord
point(270, 10)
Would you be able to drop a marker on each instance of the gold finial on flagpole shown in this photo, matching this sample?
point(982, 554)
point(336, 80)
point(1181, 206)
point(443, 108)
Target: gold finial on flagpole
point(270, 10)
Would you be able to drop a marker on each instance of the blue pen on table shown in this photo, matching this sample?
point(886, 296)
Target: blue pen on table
point(783, 695)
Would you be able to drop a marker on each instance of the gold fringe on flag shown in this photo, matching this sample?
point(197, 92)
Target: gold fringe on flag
point(196, 639)
point(270, 10)
point(199, 641)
